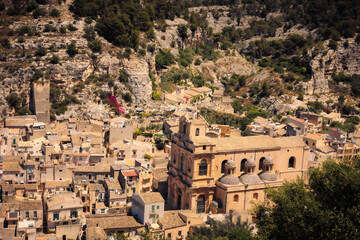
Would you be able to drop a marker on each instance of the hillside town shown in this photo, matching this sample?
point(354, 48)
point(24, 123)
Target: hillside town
point(169, 120)
point(91, 179)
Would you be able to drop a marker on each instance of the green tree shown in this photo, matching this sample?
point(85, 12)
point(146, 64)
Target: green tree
point(229, 229)
point(54, 59)
point(237, 106)
point(182, 32)
point(150, 34)
point(156, 96)
point(71, 28)
point(341, 99)
point(55, 13)
point(89, 33)
point(95, 45)
point(72, 49)
point(127, 97)
point(327, 208)
point(163, 58)
point(123, 76)
point(39, 12)
point(63, 29)
point(5, 43)
point(24, 111)
point(333, 44)
point(32, 5)
point(198, 81)
point(186, 56)
point(193, 29)
point(151, 48)
point(41, 51)
point(13, 100)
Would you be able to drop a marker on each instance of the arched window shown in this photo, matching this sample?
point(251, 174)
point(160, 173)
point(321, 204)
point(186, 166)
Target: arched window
point(200, 206)
point(236, 198)
point(261, 165)
point(255, 196)
point(223, 166)
point(184, 128)
point(182, 162)
point(292, 162)
point(242, 165)
point(197, 132)
point(203, 168)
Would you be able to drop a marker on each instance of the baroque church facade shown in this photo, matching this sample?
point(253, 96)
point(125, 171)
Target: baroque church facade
point(220, 172)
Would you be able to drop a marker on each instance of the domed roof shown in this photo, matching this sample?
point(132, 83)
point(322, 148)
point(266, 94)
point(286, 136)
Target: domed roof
point(215, 204)
point(268, 176)
point(230, 164)
point(268, 161)
point(250, 163)
point(229, 180)
point(250, 178)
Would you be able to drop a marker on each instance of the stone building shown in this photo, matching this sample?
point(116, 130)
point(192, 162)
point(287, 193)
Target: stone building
point(148, 207)
point(63, 209)
point(102, 227)
point(120, 129)
point(41, 100)
point(295, 127)
point(199, 180)
point(312, 118)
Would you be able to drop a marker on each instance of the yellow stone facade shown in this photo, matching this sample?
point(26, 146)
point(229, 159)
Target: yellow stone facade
point(198, 165)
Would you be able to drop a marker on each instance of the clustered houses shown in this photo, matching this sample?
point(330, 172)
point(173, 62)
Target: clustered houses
point(53, 176)
point(195, 95)
point(56, 178)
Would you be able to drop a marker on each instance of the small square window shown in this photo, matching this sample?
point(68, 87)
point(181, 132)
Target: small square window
point(204, 147)
point(157, 207)
point(56, 216)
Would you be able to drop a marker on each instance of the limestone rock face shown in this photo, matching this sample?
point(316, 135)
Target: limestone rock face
point(282, 104)
point(139, 80)
point(346, 60)
point(226, 66)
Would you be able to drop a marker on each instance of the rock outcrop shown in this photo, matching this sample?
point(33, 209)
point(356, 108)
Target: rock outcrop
point(226, 67)
point(344, 59)
point(139, 80)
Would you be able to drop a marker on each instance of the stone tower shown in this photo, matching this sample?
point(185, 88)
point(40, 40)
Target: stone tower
point(41, 100)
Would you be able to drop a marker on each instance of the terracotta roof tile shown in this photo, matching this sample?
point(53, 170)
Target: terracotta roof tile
point(129, 173)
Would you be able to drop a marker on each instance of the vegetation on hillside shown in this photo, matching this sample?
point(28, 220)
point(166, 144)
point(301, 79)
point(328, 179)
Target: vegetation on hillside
point(333, 18)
